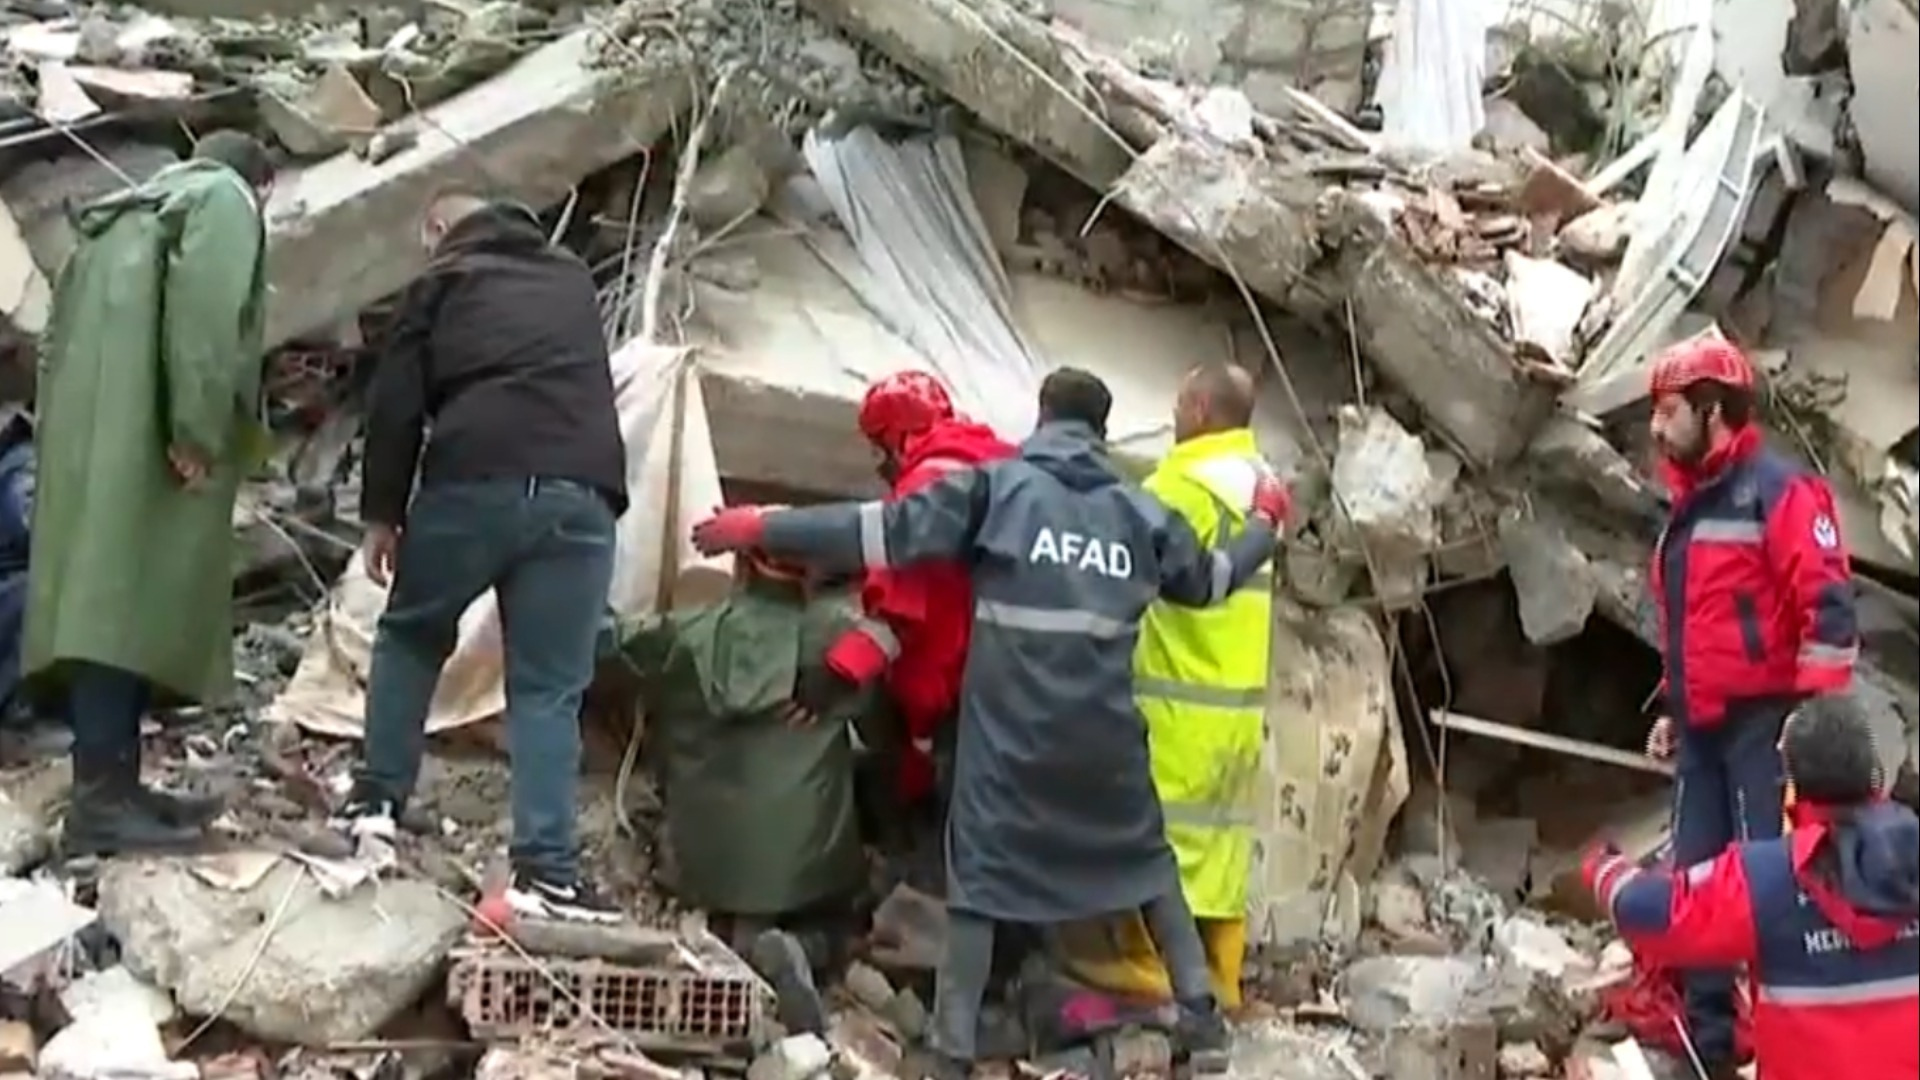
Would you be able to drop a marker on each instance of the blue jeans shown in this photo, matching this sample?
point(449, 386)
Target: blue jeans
point(546, 548)
point(1728, 787)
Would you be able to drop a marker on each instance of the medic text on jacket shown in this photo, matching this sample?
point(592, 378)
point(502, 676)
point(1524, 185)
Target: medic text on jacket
point(1834, 954)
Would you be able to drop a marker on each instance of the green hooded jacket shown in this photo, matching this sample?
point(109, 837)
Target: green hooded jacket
point(155, 341)
point(760, 813)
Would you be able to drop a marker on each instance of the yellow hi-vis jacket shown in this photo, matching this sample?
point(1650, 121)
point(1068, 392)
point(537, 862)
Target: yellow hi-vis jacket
point(1200, 677)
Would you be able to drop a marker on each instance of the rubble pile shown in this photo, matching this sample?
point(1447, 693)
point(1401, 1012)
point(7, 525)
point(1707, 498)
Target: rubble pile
point(1450, 353)
point(804, 69)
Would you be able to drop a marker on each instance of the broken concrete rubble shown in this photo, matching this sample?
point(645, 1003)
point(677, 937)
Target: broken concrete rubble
point(1384, 504)
point(100, 990)
point(1261, 224)
point(23, 837)
point(1552, 579)
point(26, 293)
point(531, 132)
point(796, 1057)
point(280, 958)
point(38, 194)
point(41, 924)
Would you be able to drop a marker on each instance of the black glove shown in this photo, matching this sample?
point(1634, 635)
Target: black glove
point(822, 691)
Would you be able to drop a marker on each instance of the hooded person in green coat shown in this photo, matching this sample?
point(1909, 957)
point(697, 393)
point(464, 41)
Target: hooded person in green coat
point(149, 405)
point(760, 807)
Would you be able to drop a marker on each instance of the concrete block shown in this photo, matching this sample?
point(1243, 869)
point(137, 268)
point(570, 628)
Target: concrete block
point(332, 970)
point(1551, 578)
point(797, 1057)
point(1460, 1050)
point(1313, 40)
point(342, 230)
point(39, 194)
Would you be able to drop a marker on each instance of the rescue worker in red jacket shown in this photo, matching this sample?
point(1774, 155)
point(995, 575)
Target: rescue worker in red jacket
point(1756, 605)
point(1826, 920)
point(920, 615)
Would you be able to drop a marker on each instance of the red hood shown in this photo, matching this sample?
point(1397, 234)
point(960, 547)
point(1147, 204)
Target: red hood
point(1869, 882)
point(1684, 480)
point(956, 440)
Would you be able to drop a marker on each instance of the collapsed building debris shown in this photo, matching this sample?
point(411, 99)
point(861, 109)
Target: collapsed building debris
point(1457, 727)
point(1250, 211)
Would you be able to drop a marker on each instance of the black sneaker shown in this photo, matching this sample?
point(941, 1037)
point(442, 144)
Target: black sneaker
point(779, 958)
point(1201, 1039)
point(534, 897)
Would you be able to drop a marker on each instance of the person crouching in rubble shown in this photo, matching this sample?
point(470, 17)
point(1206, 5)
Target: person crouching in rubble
point(759, 798)
point(1757, 613)
point(918, 617)
point(1054, 816)
point(1826, 919)
point(498, 347)
point(149, 414)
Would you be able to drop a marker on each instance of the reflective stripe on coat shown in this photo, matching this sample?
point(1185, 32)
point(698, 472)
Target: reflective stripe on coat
point(1200, 677)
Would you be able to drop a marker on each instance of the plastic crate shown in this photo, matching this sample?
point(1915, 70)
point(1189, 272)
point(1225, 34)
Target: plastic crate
point(503, 996)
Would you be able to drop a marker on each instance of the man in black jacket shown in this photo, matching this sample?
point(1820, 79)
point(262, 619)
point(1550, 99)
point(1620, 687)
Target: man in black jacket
point(497, 348)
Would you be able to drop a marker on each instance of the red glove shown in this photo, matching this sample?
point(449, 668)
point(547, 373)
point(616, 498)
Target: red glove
point(857, 657)
point(735, 528)
point(1271, 501)
point(1603, 868)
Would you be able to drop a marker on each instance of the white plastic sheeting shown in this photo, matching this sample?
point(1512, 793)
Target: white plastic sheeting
point(672, 481)
point(1665, 195)
point(927, 268)
point(1670, 257)
point(1430, 96)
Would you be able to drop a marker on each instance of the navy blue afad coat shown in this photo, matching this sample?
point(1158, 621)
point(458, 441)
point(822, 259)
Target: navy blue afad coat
point(1054, 814)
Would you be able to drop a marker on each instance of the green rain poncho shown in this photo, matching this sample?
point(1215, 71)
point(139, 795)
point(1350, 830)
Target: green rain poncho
point(154, 342)
point(760, 813)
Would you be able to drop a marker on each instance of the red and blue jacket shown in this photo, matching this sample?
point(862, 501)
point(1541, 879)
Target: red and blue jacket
point(1826, 921)
point(925, 611)
point(1752, 583)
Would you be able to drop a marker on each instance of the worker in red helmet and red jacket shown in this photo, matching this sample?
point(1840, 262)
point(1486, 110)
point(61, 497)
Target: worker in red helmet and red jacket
point(1826, 920)
point(919, 615)
point(1756, 607)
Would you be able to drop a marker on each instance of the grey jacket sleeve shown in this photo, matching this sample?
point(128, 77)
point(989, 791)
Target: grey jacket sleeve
point(939, 521)
point(1194, 576)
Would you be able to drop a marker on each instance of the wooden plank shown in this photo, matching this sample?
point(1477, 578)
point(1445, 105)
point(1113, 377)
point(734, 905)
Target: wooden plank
point(1541, 740)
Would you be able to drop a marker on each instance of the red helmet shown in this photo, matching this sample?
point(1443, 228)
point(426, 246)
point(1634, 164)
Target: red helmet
point(1700, 359)
point(902, 405)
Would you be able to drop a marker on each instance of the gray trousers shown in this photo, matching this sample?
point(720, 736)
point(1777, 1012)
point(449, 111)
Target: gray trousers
point(960, 985)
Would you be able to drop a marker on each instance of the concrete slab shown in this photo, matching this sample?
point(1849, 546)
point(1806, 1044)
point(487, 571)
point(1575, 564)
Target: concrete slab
point(785, 360)
point(342, 231)
point(1882, 36)
point(26, 296)
point(39, 194)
